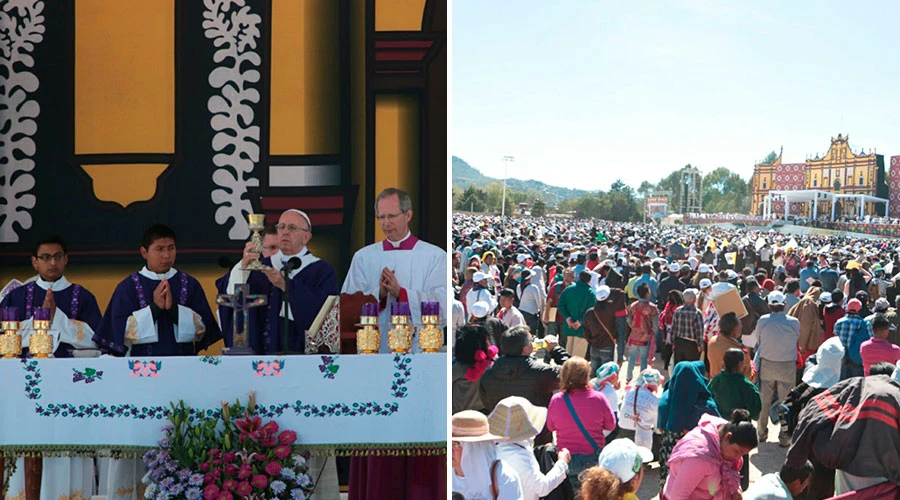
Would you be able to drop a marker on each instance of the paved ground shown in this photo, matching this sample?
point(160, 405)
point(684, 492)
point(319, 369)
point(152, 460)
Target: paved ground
point(766, 459)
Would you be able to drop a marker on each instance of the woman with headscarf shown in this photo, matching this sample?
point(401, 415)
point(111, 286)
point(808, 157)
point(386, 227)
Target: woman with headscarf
point(807, 311)
point(832, 311)
point(685, 399)
point(518, 421)
point(706, 462)
point(472, 355)
point(580, 416)
point(477, 472)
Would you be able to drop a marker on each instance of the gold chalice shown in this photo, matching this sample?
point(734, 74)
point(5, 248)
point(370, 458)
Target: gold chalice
point(256, 223)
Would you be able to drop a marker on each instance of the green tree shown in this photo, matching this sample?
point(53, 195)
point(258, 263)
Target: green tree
point(539, 209)
point(770, 158)
point(645, 190)
point(473, 200)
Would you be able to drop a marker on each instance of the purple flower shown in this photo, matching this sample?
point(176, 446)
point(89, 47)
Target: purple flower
point(297, 494)
point(167, 482)
point(193, 493)
point(278, 487)
point(184, 474)
point(196, 480)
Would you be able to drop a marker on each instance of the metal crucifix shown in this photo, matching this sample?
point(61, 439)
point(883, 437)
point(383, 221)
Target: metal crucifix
point(241, 302)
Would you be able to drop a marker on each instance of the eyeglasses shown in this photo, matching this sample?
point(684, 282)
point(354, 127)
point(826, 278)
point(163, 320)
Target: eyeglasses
point(58, 257)
point(387, 217)
point(291, 228)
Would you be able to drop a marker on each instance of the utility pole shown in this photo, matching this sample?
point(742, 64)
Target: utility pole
point(506, 162)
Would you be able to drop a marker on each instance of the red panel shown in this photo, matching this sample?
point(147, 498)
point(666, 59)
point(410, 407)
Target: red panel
point(303, 202)
point(894, 187)
point(403, 44)
point(400, 55)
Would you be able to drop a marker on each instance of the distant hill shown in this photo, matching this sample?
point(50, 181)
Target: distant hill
point(465, 175)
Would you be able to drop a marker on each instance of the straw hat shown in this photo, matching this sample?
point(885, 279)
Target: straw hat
point(516, 419)
point(472, 426)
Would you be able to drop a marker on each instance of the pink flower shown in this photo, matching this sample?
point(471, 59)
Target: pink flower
point(229, 484)
point(244, 471)
point(282, 451)
point(260, 481)
point(287, 437)
point(204, 466)
point(268, 441)
point(229, 457)
point(225, 496)
point(230, 469)
point(211, 492)
point(244, 489)
point(273, 468)
point(248, 424)
point(214, 453)
point(270, 428)
point(209, 478)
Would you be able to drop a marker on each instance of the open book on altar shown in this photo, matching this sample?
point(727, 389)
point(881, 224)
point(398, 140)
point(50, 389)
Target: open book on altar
point(326, 328)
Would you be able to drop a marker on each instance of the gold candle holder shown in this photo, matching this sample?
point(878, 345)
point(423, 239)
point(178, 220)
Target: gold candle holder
point(40, 344)
point(11, 340)
point(431, 338)
point(400, 336)
point(368, 338)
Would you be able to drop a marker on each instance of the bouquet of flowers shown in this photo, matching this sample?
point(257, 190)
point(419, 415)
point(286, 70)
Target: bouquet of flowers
point(224, 458)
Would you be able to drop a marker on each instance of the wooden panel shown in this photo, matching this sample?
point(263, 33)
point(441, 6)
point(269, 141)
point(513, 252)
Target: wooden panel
point(397, 147)
point(305, 91)
point(124, 76)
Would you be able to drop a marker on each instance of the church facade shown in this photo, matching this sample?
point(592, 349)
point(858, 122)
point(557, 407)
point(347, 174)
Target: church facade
point(840, 170)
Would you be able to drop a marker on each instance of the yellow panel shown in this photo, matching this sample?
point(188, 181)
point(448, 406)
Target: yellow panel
point(124, 184)
point(305, 92)
point(399, 15)
point(124, 76)
point(397, 147)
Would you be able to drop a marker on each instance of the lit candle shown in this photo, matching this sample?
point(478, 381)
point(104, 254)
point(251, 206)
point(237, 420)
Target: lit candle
point(9, 314)
point(42, 314)
point(400, 309)
point(370, 309)
point(431, 308)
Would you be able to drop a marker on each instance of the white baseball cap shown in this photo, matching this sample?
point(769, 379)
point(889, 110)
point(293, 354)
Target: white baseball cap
point(704, 269)
point(825, 298)
point(521, 257)
point(674, 267)
point(882, 304)
point(478, 276)
point(624, 458)
point(480, 309)
point(705, 283)
point(602, 293)
point(775, 297)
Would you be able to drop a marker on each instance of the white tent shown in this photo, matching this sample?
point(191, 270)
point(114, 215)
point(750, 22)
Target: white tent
point(813, 196)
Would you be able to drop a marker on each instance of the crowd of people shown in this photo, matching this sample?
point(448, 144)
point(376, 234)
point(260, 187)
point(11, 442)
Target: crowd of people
point(621, 344)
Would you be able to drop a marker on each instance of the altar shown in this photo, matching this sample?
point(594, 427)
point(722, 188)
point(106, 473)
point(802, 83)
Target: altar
point(332, 402)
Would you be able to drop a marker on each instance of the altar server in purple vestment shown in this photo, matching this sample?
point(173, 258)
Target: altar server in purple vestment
point(158, 311)
point(73, 309)
point(310, 284)
point(401, 268)
point(74, 317)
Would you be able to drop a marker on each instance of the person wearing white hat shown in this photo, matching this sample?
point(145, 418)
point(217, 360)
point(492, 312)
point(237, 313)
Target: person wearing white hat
point(477, 472)
point(778, 342)
point(619, 472)
point(600, 327)
point(480, 292)
point(518, 422)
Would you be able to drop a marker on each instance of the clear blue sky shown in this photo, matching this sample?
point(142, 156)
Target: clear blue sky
point(583, 92)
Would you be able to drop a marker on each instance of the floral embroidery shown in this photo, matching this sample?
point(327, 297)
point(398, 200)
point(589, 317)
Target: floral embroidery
point(144, 368)
point(88, 375)
point(75, 292)
point(268, 368)
point(29, 299)
point(183, 296)
point(401, 376)
point(79, 334)
point(33, 379)
point(131, 333)
point(212, 360)
point(75, 495)
point(142, 301)
point(329, 367)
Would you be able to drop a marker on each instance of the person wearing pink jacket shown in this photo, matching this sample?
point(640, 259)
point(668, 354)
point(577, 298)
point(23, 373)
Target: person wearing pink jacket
point(706, 462)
